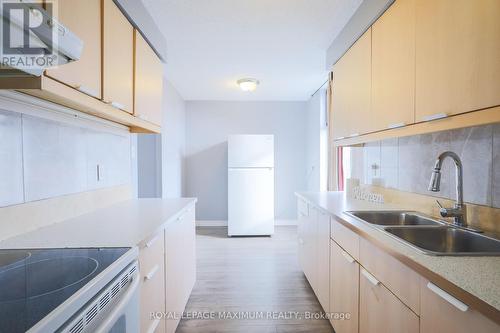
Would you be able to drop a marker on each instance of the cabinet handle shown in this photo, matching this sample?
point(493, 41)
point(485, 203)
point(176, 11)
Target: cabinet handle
point(87, 90)
point(347, 257)
point(152, 241)
point(117, 105)
point(353, 135)
point(435, 116)
point(152, 273)
point(447, 297)
point(396, 125)
point(370, 277)
point(153, 326)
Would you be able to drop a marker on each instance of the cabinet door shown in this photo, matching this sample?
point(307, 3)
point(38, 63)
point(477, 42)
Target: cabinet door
point(382, 312)
point(393, 66)
point(152, 263)
point(344, 290)
point(442, 313)
point(118, 58)
point(148, 85)
point(323, 261)
point(303, 212)
point(458, 56)
point(311, 254)
point(83, 18)
point(351, 101)
point(174, 269)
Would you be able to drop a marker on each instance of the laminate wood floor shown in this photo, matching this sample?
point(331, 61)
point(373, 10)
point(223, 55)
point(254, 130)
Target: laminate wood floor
point(248, 284)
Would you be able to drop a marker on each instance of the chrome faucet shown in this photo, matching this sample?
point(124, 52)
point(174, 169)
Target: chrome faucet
point(459, 210)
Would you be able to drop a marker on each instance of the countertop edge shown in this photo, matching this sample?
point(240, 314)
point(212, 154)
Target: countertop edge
point(475, 302)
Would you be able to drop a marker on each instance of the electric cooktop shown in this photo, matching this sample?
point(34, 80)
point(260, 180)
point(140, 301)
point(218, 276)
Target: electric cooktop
point(35, 282)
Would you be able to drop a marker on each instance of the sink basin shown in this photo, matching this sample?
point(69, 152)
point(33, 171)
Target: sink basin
point(447, 241)
point(393, 218)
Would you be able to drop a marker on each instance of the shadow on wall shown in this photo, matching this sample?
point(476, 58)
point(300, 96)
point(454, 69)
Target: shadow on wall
point(207, 181)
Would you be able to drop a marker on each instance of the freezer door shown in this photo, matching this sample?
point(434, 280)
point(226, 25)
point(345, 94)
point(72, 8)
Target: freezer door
point(251, 151)
point(251, 202)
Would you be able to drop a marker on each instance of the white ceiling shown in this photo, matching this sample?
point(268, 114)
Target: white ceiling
point(213, 43)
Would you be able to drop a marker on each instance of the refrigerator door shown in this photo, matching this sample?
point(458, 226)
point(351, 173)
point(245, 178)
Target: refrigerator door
point(251, 151)
point(251, 201)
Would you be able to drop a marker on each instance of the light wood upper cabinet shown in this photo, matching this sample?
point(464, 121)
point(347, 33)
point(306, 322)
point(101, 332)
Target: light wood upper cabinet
point(442, 313)
point(118, 58)
point(382, 312)
point(351, 100)
point(83, 18)
point(344, 289)
point(458, 56)
point(148, 84)
point(393, 66)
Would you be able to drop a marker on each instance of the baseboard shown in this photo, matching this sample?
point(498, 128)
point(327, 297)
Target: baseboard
point(211, 223)
point(223, 223)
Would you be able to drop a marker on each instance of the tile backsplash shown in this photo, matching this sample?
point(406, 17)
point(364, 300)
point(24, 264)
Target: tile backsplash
point(41, 158)
point(406, 163)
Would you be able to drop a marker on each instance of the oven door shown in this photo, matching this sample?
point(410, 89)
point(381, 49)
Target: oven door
point(124, 315)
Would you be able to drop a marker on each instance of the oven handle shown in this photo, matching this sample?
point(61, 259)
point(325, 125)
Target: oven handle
point(110, 320)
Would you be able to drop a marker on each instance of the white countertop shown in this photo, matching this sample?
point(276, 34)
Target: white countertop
point(124, 224)
point(479, 276)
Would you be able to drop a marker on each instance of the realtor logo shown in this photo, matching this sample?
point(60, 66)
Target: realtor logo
point(27, 34)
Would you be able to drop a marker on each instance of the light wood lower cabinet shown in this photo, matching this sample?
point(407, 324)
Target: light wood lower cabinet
point(313, 250)
point(323, 260)
point(344, 290)
point(180, 261)
point(396, 276)
point(382, 312)
point(381, 293)
point(168, 271)
point(442, 313)
point(152, 267)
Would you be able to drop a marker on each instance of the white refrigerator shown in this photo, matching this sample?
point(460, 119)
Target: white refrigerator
point(250, 185)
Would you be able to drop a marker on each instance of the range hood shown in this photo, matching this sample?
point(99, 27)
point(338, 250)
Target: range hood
point(36, 41)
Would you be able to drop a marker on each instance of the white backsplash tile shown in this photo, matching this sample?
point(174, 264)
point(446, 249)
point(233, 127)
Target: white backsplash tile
point(417, 155)
point(474, 146)
point(112, 153)
point(496, 166)
point(372, 161)
point(54, 159)
point(11, 159)
point(389, 161)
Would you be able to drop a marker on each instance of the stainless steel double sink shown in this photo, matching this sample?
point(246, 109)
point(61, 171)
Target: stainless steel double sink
point(429, 235)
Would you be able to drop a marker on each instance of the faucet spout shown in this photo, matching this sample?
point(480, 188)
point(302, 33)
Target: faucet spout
point(458, 212)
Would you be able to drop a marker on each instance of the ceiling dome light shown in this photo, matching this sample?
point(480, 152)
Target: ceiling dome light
point(248, 84)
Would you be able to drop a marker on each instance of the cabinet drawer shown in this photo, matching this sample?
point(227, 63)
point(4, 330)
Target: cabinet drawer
point(346, 238)
point(400, 279)
point(152, 298)
point(151, 253)
point(443, 313)
point(382, 312)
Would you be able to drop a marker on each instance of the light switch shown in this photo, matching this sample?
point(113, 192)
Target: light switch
point(100, 172)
